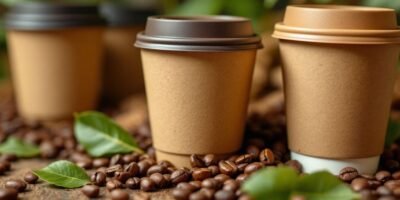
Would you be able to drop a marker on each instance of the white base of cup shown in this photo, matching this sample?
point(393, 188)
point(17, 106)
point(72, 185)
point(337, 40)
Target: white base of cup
point(311, 164)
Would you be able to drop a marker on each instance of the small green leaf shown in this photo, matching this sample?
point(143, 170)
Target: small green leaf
point(64, 174)
point(271, 184)
point(101, 136)
point(21, 149)
point(393, 132)
point(324, 186)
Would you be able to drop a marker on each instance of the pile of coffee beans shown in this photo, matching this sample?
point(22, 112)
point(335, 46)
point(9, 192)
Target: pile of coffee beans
point(209, 178)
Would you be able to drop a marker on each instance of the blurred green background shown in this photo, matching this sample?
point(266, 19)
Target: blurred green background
point(264, 13)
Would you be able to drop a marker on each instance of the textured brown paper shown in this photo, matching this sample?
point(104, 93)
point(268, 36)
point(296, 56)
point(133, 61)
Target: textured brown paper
point(337, 97)
point(55, 73)
point(123, 75)
point(197, 100)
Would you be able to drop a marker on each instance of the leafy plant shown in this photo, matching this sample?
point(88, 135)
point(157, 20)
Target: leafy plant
point(101, 136)
point(21, 149)
point(282, 183)
point(64, 174)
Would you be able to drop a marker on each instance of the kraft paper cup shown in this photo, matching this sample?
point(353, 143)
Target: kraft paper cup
point(56, 54)
point(197, 84)
point(122, 74)
point(339, 77)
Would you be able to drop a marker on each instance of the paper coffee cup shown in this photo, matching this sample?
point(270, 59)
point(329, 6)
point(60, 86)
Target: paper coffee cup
point(197, 74)
point(122, 74)
point(55, 54)
point(338, 67)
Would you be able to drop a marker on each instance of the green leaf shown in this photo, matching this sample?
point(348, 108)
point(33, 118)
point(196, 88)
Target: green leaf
point(393, 132)
point(323, 186)
point(21, 149)
point(64, 174)
point(271, 183)
point(101, 136)
point(200, 7)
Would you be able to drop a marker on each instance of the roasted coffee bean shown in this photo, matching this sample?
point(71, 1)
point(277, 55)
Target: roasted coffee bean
point(392, 184)
point(119, 194)
point(116, 159)
point(17, 185)
point(122, 176)
point(143, 167)
point(156, 169)
point(267, 157)
point(85, 164)
point(167, 178)
point(30, 178)
point(133, 183)
point(100, 162)
point(214, 170)
point(196, 161)
point(187, 186)
point(110, 172)
point(224, 195)
point(383, 176)
point(8, 157)
point(208, 192)
point(210, 159)
point(128, 158)
point(180, 194)
point(241, 167)
point(91, 191)
point(246, 158)
point(98, 178)
point(5, 165)
point(231, 185)
point(113, 184)
point(179, 176)
point(242, 177)
point(147, 185)
point(368, 194)
point(222, 177)
point(396, 175)
point(387, 198)
point(8, 194)
point(396, 192)
point(166, 163)
point(367, 176)
point(48, 150)
point(244, 197)
point(211, 183)
point(228, 167)
point(196, 184)
point(159, 180)
point(199, 195)
point(359, 184)
point(132, 168)
point(382, 190)
point(347, 174)
point(200, 174)
point(253, 167)
point(373, 184)
point(296, 165)
point(253, 150)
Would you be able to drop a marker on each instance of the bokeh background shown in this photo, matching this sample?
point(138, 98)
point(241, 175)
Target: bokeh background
point(263, 13)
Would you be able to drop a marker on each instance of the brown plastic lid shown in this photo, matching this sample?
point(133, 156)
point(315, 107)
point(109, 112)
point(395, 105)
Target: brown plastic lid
point(198, 33)
point(339, 24)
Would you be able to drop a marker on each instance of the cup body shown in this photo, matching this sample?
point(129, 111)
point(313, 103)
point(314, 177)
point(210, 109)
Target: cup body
point(337, 97)
point(123, 74)
point(55, 72)
point(197, 100)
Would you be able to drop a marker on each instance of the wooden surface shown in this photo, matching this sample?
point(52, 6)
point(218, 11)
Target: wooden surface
point(45, 191)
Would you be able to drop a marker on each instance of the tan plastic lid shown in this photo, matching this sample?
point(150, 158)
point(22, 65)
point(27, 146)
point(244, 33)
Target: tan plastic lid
point(339, 24)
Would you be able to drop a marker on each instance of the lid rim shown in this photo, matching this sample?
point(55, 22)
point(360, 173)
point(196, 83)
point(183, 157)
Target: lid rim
point(197, 48)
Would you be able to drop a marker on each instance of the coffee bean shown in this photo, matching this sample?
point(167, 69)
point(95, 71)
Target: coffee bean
point(373, 184)
point(367, 176)
point(167, 178)
point(159, 180)
point(253, 150)
point(143, 167)
point(156, 169)
point(222, 177)
point(242, 177)
point(253, 167)
point(133, 183)
point(91, 191)
point(166, 163)
point(196, 161)
point(116, 159)
point(119, 194)
point(187, 186)
point(128, 158)
point(200, 174)
point(383, 176)
point(113, 184)
point(267, 157)
point(85, 164)
point(210, 159)
point(98, 178)
point(396, 192)
point(8, 157)
point(48, 150)
point(147, 185)
point(110, 172)
point(5, 164)
point(30, 178)
point(180, 194)
point(368, 194)
point(228, 167)
point(246, 158)
point(214, 170)
point(244, 197)
point(392, 184)
point(8, 194)
point(231, 185)
point(242, 166)
point(359, 184)
point(17, 185)
point(382, 190)
point(196, 184)
point(208, 192)
point(224, 195)
point(179, 176)
point(347, 174)
point(396, 175)
point(198, 196)
point(211, 183)
point(132, 168)
point(387, 198)
point(122, 176)
point(100, 162)
point(296, 165)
